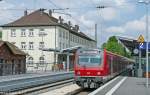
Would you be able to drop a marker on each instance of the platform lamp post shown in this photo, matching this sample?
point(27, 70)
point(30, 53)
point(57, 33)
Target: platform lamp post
point(146, 2)
point(99, 7)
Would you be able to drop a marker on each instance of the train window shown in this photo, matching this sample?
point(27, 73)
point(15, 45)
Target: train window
point(89, 60)
point(95, 59)
point(83, 59)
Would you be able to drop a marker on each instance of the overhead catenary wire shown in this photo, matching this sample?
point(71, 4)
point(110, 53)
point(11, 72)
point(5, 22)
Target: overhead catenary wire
point(52, 3)
point(70, 15)
point(73, 8)
point(57, 8)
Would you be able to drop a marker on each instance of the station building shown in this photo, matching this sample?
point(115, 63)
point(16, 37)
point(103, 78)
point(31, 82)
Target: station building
point(12, 59)
point(40, 29)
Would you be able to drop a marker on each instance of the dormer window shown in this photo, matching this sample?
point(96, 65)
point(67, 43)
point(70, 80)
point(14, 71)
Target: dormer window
point(41, 29)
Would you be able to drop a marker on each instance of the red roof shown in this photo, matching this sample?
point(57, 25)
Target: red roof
point(38, 17)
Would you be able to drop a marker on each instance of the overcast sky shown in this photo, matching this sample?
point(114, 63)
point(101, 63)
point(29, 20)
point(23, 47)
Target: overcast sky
point(120, 17)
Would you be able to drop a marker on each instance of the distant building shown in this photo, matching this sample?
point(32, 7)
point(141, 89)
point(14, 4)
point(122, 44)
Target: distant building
point(41, 30)
point(12, 60)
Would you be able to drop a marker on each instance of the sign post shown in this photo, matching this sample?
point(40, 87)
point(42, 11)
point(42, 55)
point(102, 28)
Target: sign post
point(141, 41)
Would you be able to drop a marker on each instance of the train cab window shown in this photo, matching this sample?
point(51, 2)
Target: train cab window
point(96, 59)
point(83, 59)
point(89, 60)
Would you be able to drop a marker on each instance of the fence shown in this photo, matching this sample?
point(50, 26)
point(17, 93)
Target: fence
point(46, 67)
point(11, 68)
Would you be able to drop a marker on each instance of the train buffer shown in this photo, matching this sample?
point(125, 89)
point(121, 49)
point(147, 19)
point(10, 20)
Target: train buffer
point(123, 85)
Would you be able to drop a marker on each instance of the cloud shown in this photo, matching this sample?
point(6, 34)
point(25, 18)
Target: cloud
point(115, 29)
point(6, 15)
point(109, 14)
point(135, 25)
point(119, 2)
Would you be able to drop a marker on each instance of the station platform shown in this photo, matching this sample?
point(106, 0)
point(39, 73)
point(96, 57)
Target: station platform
point(123, 85)
point(30, 75)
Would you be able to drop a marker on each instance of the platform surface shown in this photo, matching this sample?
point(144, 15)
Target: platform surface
point(124, 85)
point(133, 86)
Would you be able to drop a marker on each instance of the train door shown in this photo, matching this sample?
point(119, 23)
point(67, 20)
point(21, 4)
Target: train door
point(110, 64)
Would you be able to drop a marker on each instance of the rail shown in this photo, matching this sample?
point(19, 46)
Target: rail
point(19, 84)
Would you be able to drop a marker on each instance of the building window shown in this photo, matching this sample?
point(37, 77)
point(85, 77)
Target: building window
point(13, 32)
point(1, 61)
point(60, 45)
point(31, 33)
point(31, 46)
point(23, 45)
point(41, 29)
point(70, 37)
point(73, 38)
point(41, 45)
point(60, 34)
point(23, 32)
point(64, 34)
point(63, 45)
point(30, 60)
point(13, 43)
point(41, 59)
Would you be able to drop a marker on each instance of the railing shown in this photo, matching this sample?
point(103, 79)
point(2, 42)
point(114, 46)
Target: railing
point(46, 66)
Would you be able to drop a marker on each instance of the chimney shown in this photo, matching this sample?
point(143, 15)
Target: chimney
point(25, 13)
point(60, 20)
point(42, 10)
point(77, 28)
point(69, 23)
point(50, 12)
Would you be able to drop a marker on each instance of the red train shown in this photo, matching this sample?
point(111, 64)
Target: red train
point(94, 67)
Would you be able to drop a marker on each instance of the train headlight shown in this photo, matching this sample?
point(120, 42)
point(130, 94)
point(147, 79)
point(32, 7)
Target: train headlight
point(78, 73)
point(98, 73)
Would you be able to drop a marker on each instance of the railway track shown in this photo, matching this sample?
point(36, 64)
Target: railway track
point(40, 88)
point(81, 92)
point(87, 91)
point(33, 84)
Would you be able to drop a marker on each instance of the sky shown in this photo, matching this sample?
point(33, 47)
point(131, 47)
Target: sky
point(119, 17)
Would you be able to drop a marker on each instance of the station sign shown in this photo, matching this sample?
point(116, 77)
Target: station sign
point(143, 45)
point(141, 39)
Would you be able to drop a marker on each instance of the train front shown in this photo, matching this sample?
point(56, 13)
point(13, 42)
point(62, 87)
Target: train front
point(89, 68)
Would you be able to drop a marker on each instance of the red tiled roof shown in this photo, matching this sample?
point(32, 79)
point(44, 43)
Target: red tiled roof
point(35, 18)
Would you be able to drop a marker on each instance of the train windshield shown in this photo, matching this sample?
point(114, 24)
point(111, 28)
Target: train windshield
point(87, 60)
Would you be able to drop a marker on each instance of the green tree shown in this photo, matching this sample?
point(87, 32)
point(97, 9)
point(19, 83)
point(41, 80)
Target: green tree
point(115, 47)
point(104, 45)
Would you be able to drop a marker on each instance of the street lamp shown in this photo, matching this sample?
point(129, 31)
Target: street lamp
point(146, 2)
point(99, 7)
